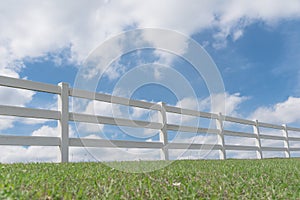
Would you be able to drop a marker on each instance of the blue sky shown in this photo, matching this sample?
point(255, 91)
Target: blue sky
point(262, 64)
point(255, 46)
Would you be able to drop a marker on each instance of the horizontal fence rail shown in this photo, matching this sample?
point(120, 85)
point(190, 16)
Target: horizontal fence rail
point(64, 116)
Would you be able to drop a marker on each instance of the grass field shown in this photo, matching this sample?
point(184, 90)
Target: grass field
point(186, 179)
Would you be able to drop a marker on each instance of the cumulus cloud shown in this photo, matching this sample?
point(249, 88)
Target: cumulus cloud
point(226, 103)
point(13, 97)
point(9, 154)
point(48, 26)
point(97, 108)
point(21, 98)
point(279, 113)
point(231, 104)
point(6, 122)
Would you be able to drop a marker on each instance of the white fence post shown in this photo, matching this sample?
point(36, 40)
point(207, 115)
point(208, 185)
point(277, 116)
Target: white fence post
point(63, 123)
point(163, 133)
point(221, 141)
point(256, 131)
point(286, 141)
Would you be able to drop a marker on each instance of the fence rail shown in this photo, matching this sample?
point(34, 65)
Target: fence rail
point(64, 116)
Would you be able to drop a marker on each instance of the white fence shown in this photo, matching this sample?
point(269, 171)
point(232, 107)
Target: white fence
point(64, 116)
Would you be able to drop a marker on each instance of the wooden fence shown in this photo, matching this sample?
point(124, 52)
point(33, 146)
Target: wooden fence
point(64, 116)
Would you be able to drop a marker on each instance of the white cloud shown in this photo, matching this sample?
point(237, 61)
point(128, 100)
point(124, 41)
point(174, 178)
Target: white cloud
point(237, 35)
point(226, 103)
point(243, 154)
point(239, 141)
point(10, 154)
point(46, 131)
point(13, 97)
point(188, 103)
point(49, 26)
point(6, 122)
point(49, 131)
point(20, 98)
point(103, 109)
point(235, 15)
point(117, 111)
point(33, 153)
point(266, 10)
point(232, 102)
point(279, 113)
point(97, 108)
point(113, 154)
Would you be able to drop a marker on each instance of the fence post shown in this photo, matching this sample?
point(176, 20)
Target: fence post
point(221, 141)
point(63, 122)
point(257, 141)
point(163, 133)
point(286, 141)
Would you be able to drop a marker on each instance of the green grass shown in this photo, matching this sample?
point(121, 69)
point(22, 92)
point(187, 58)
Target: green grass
point(202, 179)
